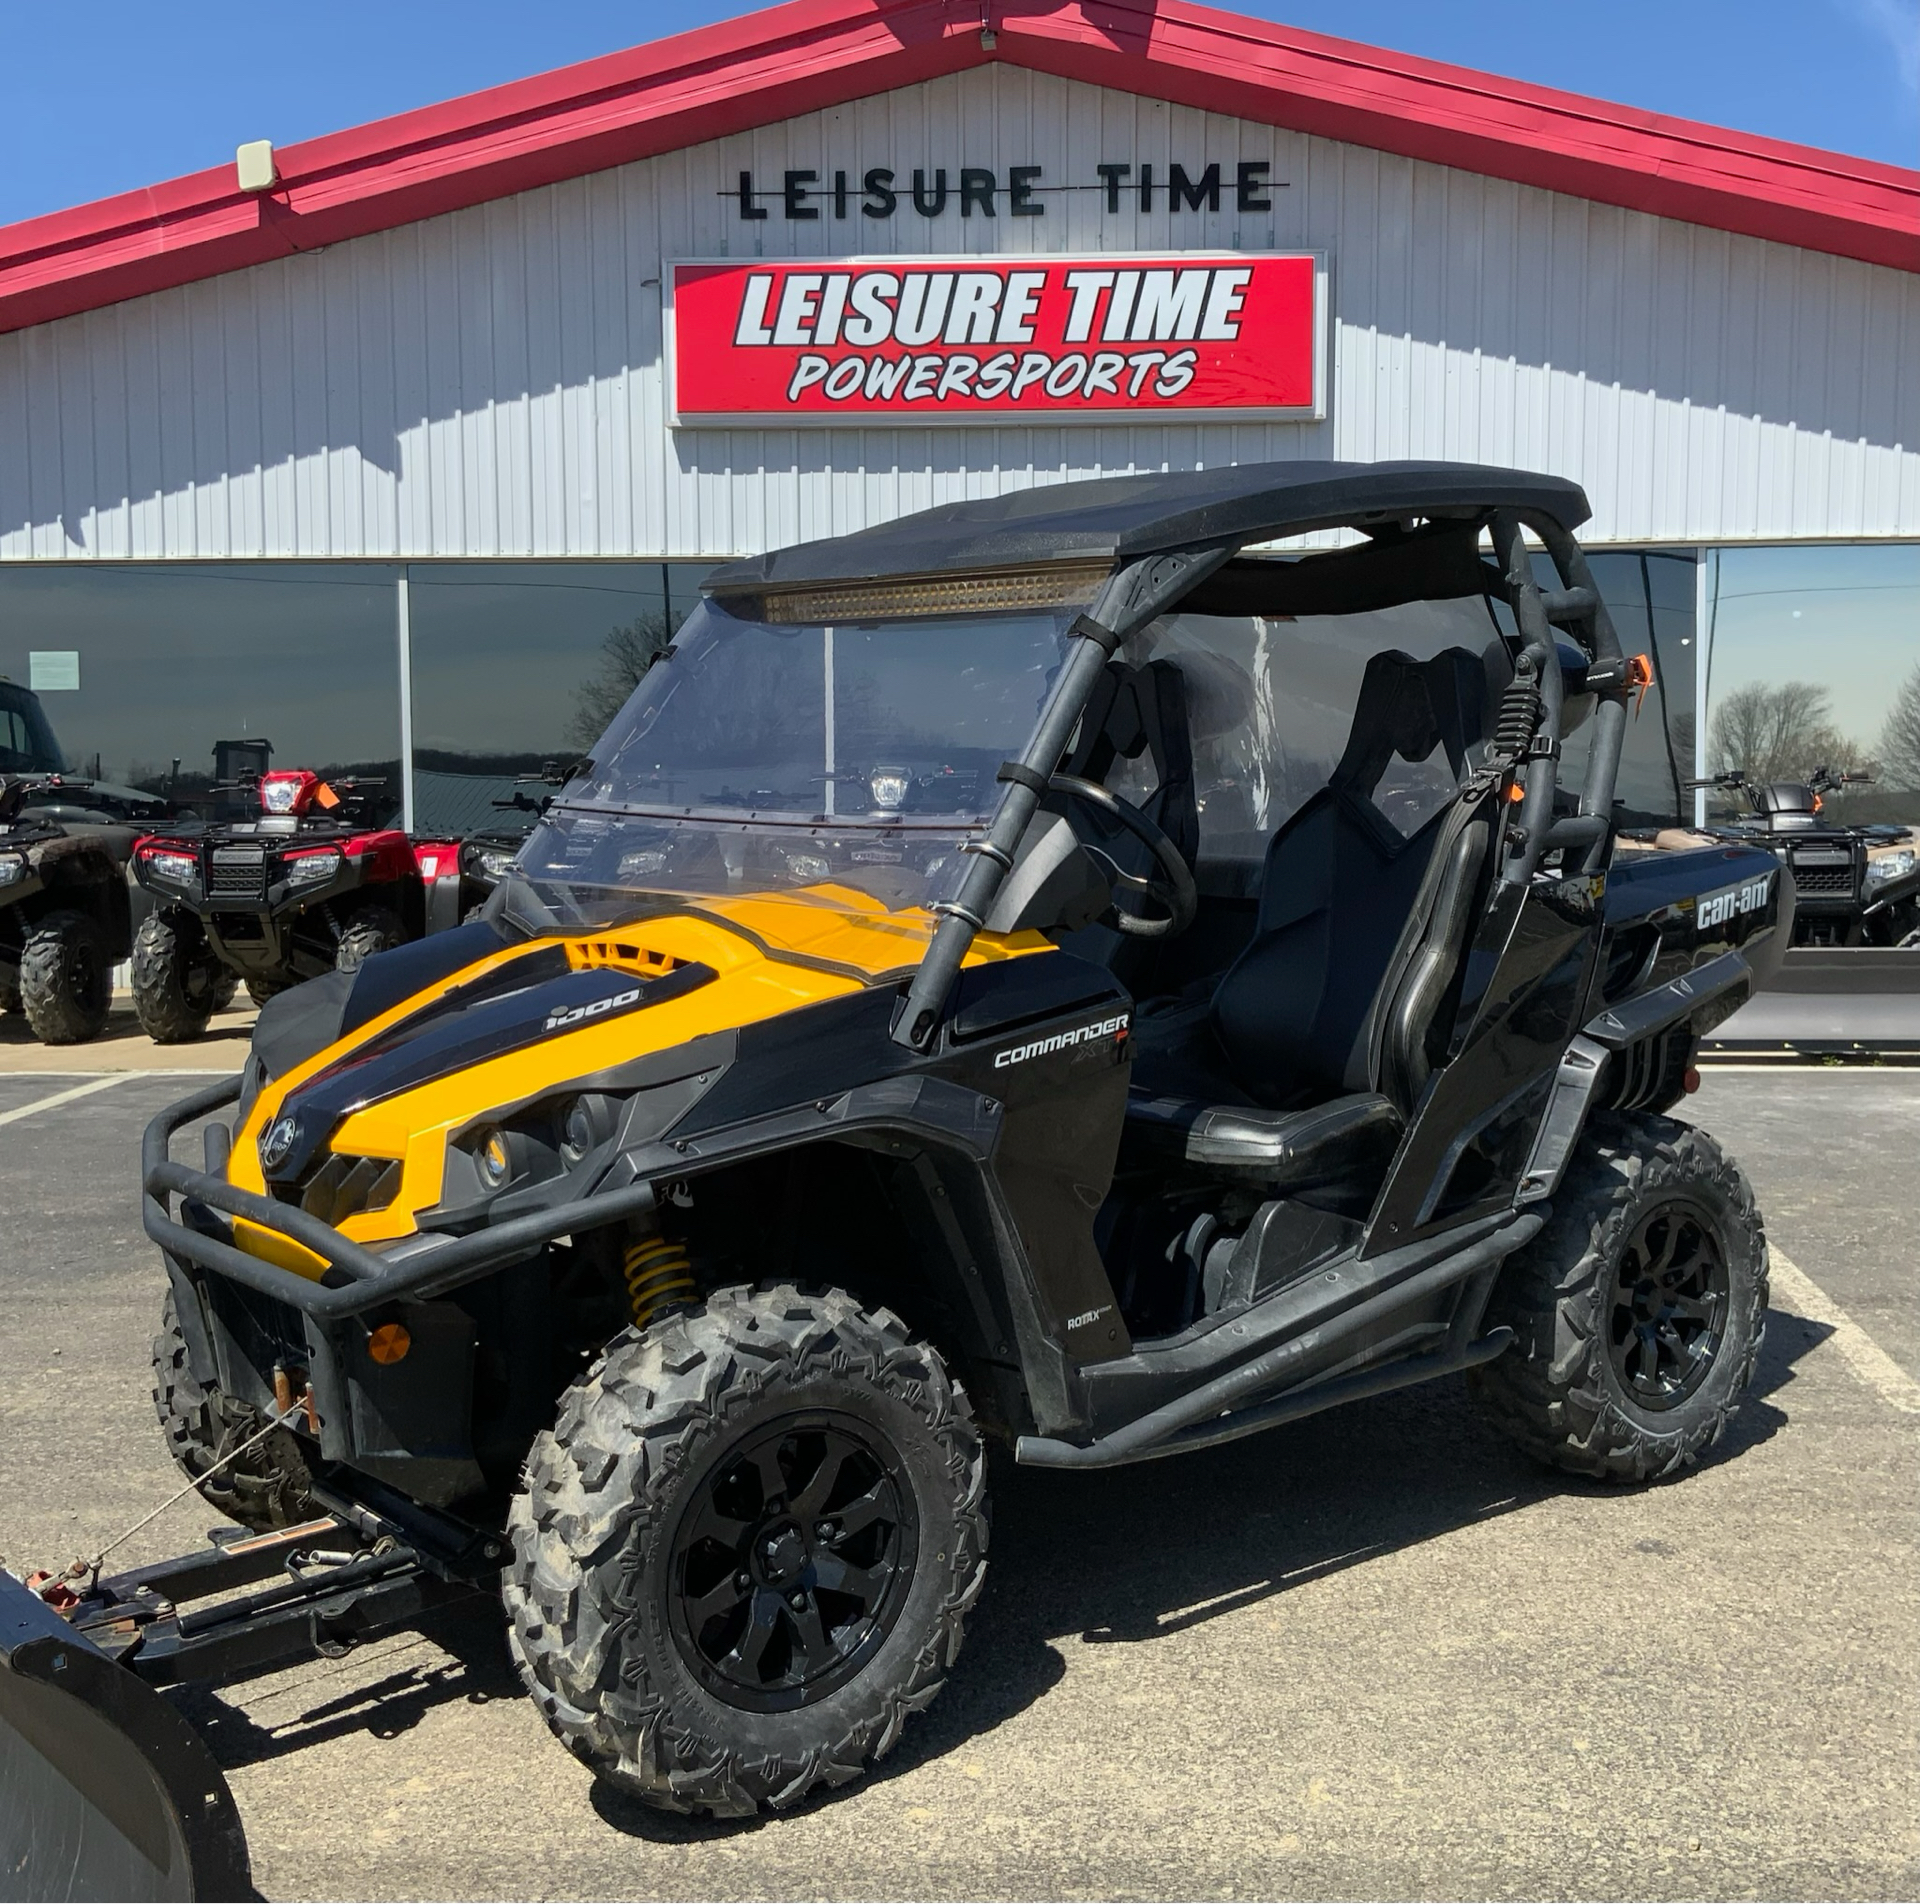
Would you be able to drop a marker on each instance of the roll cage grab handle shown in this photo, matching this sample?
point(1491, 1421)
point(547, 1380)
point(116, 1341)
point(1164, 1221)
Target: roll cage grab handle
point(1132, 597)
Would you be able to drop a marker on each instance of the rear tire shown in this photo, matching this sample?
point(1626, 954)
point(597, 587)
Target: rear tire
point(177, 982)
point(262, 989)
point(267, 1487)
point(372, 929)
point(745, 1553)
point(66, 979)
point(1637, 1312)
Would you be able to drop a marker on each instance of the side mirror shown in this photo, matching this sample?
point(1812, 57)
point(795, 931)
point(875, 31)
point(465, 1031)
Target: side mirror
point(1054, 886)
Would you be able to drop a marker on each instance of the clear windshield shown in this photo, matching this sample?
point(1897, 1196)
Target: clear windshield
point(757, 757)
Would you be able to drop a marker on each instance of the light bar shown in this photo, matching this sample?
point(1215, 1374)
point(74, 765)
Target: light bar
point(1058, 585)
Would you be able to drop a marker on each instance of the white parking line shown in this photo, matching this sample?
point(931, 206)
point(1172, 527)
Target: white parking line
point(64, 1097)
point(1858, 1349)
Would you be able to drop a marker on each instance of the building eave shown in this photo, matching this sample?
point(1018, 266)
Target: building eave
point(812, 54)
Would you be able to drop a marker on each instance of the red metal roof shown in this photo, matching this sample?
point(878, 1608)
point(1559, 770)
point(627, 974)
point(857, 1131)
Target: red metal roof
point(810, 54)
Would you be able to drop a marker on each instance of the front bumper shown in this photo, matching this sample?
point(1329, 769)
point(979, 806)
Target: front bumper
point(354, 1279)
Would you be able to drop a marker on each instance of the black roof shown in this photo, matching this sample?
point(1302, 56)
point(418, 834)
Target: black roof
point(1120, 518)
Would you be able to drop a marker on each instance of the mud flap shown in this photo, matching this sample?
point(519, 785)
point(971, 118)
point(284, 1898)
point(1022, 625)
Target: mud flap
point(105, 1791)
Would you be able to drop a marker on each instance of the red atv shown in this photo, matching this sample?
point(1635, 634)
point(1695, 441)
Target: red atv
point(308, 886)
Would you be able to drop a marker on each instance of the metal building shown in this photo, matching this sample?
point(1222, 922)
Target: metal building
point(426, 398)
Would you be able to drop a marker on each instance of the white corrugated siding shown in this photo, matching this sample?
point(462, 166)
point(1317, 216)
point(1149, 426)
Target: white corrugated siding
point(488, 383)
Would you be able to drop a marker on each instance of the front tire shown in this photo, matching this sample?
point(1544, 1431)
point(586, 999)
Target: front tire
point(177, 982)
point(66, 979)
point(267, 1487)
point(1637, 1312)
point(372, 929)
point(745, 1553)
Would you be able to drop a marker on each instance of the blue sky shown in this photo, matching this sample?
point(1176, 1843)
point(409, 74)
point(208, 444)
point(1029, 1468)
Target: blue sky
point(120, 95)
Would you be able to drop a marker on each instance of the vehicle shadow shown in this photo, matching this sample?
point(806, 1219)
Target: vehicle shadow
point(1132, 1555)
point(1122, 1557)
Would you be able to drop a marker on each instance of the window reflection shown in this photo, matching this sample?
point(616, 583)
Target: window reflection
point(177, 659)
point(1814, 661)
point(518, 666)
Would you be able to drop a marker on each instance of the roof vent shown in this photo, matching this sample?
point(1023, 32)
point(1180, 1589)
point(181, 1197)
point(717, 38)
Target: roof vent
point(254, 164)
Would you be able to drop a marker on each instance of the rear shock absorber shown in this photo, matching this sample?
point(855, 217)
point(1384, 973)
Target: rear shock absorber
point(658, 1275)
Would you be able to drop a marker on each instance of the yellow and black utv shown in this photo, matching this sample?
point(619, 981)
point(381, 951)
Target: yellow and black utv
point(1109, 969)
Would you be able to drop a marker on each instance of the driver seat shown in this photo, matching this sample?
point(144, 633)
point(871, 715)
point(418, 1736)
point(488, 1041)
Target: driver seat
point(1346, 903)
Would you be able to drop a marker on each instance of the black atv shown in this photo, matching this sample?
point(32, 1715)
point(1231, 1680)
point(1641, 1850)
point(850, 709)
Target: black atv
point(1854, 885)
point(65, 918)
point(965, 998)
point(305, 877)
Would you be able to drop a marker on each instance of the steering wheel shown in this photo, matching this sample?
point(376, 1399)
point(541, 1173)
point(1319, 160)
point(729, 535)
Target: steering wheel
point(1173, 888)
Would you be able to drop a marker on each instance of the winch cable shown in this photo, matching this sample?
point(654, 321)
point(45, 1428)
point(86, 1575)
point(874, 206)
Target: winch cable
point(90, 1569)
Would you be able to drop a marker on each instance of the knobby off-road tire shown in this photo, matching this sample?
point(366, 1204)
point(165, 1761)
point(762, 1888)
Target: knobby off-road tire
point(177, 982)
point(66, 979)
point(372, 929)
point(623, 1531)
point(262, 989)
point(267, 1487)
point(1637, 1312)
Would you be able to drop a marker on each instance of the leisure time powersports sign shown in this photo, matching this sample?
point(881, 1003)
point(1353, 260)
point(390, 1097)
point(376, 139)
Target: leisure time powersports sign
point(1225, 336)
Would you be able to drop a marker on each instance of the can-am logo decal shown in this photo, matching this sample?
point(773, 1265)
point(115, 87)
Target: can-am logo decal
point(598, 1008)
point(929, 340)
point(1717, 908)
point(1060, 1041)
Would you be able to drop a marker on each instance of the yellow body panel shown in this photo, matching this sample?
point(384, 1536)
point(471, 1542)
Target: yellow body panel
point(771, 952)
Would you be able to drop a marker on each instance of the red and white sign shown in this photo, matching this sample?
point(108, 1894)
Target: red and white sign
point(997, 339)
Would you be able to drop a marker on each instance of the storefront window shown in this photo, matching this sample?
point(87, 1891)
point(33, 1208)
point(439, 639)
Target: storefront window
point(1814, 661)
point(518, 666)
point(142, 670)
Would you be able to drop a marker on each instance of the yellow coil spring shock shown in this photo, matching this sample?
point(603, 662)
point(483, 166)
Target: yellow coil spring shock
point(658, 1274)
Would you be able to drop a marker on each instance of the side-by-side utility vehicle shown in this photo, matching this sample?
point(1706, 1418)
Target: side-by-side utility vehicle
point(1057, 970)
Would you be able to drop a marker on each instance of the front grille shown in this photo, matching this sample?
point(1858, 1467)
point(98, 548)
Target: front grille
point(344, 1186)
point(1823, 881)
point(237, 872)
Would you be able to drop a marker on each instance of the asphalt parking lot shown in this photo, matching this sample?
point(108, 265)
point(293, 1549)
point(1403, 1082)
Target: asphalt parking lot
point(1374, 1654)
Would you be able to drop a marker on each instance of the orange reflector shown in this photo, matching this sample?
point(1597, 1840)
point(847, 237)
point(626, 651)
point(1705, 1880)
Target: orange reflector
point(389, 1343)
point(1515, 793)
point(324, 796)
point(1692, 1079)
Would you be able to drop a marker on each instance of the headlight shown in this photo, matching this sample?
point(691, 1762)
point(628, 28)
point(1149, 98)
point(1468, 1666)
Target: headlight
point(310, 868)
point(496, 864)
point(494, 1158)
point(808, 866)
point(641, 865)
point(889, 787)
point(182, 868)
point(1890, 866)
point(11, 868)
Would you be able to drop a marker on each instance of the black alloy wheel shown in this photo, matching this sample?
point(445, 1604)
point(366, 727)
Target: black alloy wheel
point(1637, 1312)
point(1670, 1299)
point(791, 1564)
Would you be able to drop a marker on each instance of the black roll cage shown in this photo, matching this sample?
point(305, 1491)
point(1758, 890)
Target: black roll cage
point(1134, 595)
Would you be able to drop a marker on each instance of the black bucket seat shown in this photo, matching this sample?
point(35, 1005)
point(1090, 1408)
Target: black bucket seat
point(1305, 1062)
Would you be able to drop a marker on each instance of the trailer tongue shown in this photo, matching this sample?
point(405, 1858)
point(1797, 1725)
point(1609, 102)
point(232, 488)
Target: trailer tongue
point(106, 1792)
